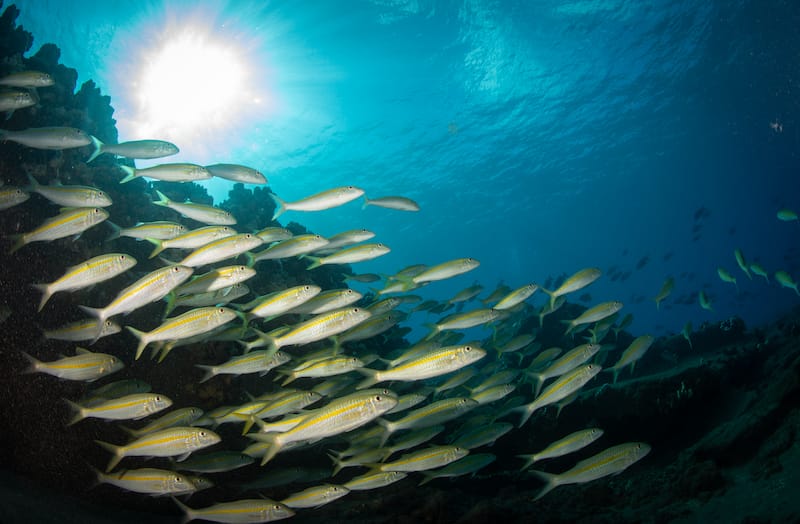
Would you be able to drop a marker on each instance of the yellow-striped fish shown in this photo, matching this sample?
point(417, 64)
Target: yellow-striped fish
point(141, 149)
point(392, 202)
point(240, 511)
point(129, 407)
point(350, 255)
point(85, 274)
point(593, 314)
point(579, 280)
point(325, 200)
point(434, 364)
point(315, 496)
point(200, 212)
point(612, 461)
point(221, 249)
point(517, 296)
point(52, 138)
point(569, 444)
point(191, 239)
point(189, 324)
point(666, 290)
point(148, 481)
point(177, 441)
point(70, 196)
point(150, 288)
point(338, 416)
point(69, 223)
point(85, 365)
point(564, 386)
point(634, 352)
point(180, 172)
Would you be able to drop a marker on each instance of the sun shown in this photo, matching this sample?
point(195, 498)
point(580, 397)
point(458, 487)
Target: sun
point(190, 81)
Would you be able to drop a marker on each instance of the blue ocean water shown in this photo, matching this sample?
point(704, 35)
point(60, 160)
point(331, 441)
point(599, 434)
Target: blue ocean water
point(538, 137)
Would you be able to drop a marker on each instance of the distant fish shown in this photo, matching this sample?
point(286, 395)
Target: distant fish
point(593, 314)
point(760, 271)
point(701, 212)
point(705, 302)
point(687, 333)
point(742, 263)
point(138, 149)
point(787, 215)
point(642, 262)
point(785, 280)
point(392, 202)
point(27, 79)
point(237, 173)
point(318, 202)
point(725, 276)
point(585, 297)
point(666, 290)
point(579, 280)
point(632, 354)
point(167, 173)
point(52, 138)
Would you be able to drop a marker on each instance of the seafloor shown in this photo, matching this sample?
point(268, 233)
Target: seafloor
point(722, 418)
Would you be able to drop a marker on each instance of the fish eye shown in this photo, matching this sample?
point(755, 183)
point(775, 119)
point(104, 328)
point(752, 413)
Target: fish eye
point(306, 288)
point(202, 433)
point(158, 399)
point(178, 479)
point(378, 398)
point(108, 323)
point(122, 257)
point(175, 269)
point(356, 310)
point(221, 310)
point(248, 235)
point(276, 506)
point(467, 348)
point(97, 210)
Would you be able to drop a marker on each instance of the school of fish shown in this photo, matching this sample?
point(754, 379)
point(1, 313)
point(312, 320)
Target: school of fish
point(419, 410)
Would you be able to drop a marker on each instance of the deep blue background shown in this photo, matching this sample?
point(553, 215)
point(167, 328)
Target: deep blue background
point(538, 137)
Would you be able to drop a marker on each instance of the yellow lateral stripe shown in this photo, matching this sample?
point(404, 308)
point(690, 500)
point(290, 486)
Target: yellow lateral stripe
point(154, 279)
point(588, 467)
point(68, 217)
point(80, 365)
point(193, 316)
point(122, 405)
point(355, 405)
point(158, 441)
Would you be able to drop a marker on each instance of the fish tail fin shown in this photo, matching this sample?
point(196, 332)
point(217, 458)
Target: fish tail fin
point(570, 326)
point(129, 172)
point(79, 412)
point(388, 429)
point(210, 372)
point(428, 477)
point(315, 262)
point(116, 453)
point(280, 206)
point(19, 241)
point(289, 379)
point(273, 449)
point(33, 184)
point(159, 246)
point(529, 460)
point(35, 364)
point(551, 481)
point(142, 336)
point(538, 380)
point(99, 477)
point(370, 380)
point(162, 199)
point(526, 410)
point(115, 234)
point(188, 513)
point(366, 202)
point(170, 298)
point(98, 148)
point(337, 464)
point(551, 295)
point(46, 294)
point(658, 304)
point(100, 315)
point(434, 331)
